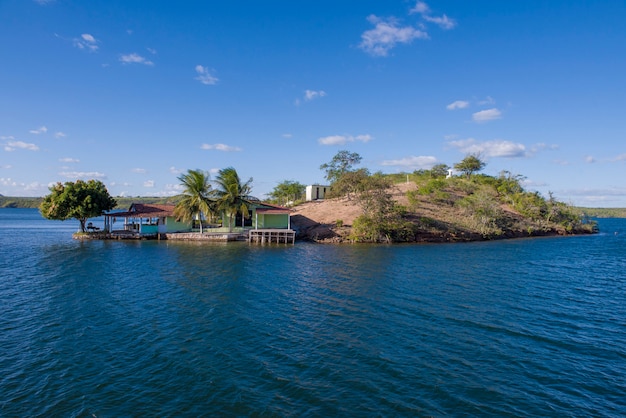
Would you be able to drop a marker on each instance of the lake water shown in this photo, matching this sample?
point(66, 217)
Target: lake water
point(530, 327)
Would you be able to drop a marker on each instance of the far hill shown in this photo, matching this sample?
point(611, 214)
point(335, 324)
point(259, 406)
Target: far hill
point(122, 202)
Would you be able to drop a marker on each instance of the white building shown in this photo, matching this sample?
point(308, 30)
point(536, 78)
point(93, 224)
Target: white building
point(316, 192)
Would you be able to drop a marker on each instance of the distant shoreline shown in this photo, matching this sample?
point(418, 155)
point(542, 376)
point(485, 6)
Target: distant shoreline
point(19, 202)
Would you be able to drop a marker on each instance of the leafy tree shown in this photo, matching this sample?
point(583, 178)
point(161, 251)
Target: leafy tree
point(196, 196)
point(286, 191)
point(341, 163)
point(350, 182)
point(232, 194)
point(439, 170)
point(80, 200)
point(470, 164)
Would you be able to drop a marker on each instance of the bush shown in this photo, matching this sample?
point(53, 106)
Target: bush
point(432, 186)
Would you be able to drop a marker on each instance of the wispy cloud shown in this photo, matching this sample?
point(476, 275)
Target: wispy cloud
point(412, 162)
point(6, 166)
point(149, 183)
point(387, 33)
point(343, 139)
point(287, 136)
point(59, 135)
point(487, 101)
point(420, 7)
point(135, 59)
point(139, 170)
point(313, 94)
point(69, 160)
point(621, 157)
point(176, 171)
point(44, 2)
point(442, 21)
point(220, 147)
point(82, 174)
point(459, 104)
point(40, 130)
point(87, 42)
point(205, 76)
point(152, 51)
point(487, 115)
point(13, 145)
point(495, 148)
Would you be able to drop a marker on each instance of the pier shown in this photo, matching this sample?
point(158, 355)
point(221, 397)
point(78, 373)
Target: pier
point(262, 236)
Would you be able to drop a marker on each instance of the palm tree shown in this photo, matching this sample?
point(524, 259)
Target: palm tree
point(196, 199)
point(232, 195)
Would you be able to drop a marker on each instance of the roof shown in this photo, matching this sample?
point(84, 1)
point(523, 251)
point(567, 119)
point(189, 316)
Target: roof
point(273, 211)
point(142, 210)
point(268, 208)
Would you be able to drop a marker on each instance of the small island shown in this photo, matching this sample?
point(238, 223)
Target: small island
point(441, 204)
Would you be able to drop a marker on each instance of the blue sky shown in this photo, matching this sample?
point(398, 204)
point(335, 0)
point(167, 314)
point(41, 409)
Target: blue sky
point(136, 92)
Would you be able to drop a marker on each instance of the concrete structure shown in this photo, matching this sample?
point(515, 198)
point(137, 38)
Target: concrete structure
point(316, 192)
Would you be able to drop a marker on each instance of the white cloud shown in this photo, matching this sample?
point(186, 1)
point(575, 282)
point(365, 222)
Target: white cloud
point(139, 170)
point(152, 51)
point(86, 41)
point(59, 135)
point(220, 147)
point(459, 104)
point(7, 166)
point(621, 157)
point(7, 181)
point(412, 162)
point(134, 59)
point(205, 76)
point(343, 139)
point(175, 170)
point(44, 2)
point(312, 94)
point(148, 183)
point(487, 101)
point(420, 7)
point(171, 190)
point(543, 146)
point(287, 136)
point(386, 35)
point(487, 115)
point(69, 160)
point(495, 148)
point(13, 145)
point(443, 21)
point(7, 138)
point(82, 174)
point(40, 130)
point(590, 159)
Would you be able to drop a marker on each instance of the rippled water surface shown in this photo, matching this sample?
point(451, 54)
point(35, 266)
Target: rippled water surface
point(531, 327)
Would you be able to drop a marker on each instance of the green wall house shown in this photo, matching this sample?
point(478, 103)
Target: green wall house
point(261, 216)
point(145, 219)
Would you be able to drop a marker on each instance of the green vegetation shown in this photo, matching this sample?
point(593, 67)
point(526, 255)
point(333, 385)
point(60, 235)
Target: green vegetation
point(342, 163)
point(467, 207)
point(196, 199)
point(601, 212)
point(80, 200)
point(287, 193)
point(232, 195)
point(470, 164)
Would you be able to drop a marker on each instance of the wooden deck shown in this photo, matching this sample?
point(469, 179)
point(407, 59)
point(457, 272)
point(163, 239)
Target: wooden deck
point(262, 236)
